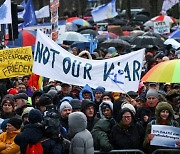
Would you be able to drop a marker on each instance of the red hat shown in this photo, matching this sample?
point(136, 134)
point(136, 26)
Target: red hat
point(13, 91)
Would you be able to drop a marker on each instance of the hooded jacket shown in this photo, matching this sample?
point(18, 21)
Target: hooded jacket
point(8, 138)
point(100, 107)
point(82, 141)
point(86, 88)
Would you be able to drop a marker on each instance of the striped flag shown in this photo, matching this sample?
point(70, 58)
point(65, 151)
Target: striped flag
point(35, 81)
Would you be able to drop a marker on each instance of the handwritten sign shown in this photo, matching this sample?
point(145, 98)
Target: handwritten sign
point(161, 28)
point(165, 135)
point(116, 74)
point(15, 62)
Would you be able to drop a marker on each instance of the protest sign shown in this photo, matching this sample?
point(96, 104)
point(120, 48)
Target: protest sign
point(161, 27)
point(165, 136)
point(120, 74)
point(15, 62)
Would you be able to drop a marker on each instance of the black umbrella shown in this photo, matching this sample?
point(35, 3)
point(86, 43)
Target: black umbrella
point(115, 43)
point(146, 41)
point(141, 17)
point(92, 32)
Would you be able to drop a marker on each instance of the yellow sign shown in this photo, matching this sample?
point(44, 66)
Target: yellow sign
point(15, 62)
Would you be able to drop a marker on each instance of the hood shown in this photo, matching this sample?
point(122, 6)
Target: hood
point(85, 52)
point(77, 122)
point(86, 103)
point(100, 107)
point(36, 93)
point(86, 88)
point(164, 106)
point(102, 125)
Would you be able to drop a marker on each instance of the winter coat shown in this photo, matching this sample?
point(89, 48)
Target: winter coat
point(90, 121)
point(8, 138)
point(82, 141)
point(31, 134)
point(100, 135)
point(127, 136)
point(170, 122)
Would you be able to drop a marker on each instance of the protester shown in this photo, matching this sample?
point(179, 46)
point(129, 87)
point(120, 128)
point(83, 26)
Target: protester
point(7, 144)
point(89, 109)
point(127, 134)
point(81, 138)
point(163, 116)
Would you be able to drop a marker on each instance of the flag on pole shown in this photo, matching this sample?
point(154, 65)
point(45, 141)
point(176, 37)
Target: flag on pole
point(43, 12)
point(167, 4)
point(29, 15)
point(104, 11)
point(5, 13)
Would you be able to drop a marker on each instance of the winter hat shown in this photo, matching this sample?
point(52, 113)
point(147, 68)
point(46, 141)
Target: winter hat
point(132, 94)
point(64, 104)
point(164, 106)
point(4, 124)
point(66, 98)
point(129, 106)
point(52, 92)
point(16, 122)
point(75, 103)
point(45, 99)
point(152, 92)
point(13, 91)
point(86, 103)
point(21, 96)
point(35, 116)
point(26, 111)
point(112, 50)
point(99, 89)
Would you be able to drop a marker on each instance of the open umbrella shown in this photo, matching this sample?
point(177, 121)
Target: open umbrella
point(175, 34)
point(164, 72)
point(115, 43)
point(165, 18)
point(78, 21)
point(72, 36)
point(147, 41)
point(25, 38)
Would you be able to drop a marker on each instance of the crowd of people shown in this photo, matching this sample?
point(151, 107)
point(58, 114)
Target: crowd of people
point(87, 119)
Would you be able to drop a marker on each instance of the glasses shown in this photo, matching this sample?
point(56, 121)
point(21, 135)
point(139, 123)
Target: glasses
point(126, 117)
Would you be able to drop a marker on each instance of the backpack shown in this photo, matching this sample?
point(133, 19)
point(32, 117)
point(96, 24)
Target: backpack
point(34, 148)
point(51, 124)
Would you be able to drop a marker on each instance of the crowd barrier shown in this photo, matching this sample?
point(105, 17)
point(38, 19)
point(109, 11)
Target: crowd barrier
point(137, 151)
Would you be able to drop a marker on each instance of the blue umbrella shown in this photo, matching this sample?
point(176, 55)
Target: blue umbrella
point(175, 34)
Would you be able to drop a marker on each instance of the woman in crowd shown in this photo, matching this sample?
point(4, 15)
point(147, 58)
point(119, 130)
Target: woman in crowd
point(164, 116)
point(127, 134)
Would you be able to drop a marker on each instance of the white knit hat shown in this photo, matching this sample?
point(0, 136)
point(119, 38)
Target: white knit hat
point(129, 106)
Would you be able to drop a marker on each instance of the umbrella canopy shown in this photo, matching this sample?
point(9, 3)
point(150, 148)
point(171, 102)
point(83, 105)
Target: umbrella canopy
point(71, 27)
point(146, 41)
point(165, 18)
point(78, 21)
point(115, 43)
point(25, 38)
point(164, 72)
point(175, 34)
point(92, 32)
point(141, 17)
point(72, 36)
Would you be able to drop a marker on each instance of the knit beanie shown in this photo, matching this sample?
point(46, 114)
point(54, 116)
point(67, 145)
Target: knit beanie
point(75, 103)
point(129, 106)
point(152, 92)
point(64, 104)
point(35, 116)
point(16, 122)
point(4, 124)
point(45, 99)
point(26, 111)
point(99, 89)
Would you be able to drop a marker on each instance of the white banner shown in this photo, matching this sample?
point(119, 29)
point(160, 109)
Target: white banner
point(120, 74)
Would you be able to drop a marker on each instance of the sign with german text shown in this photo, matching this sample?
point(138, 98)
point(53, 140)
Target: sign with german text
point(15, 62)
